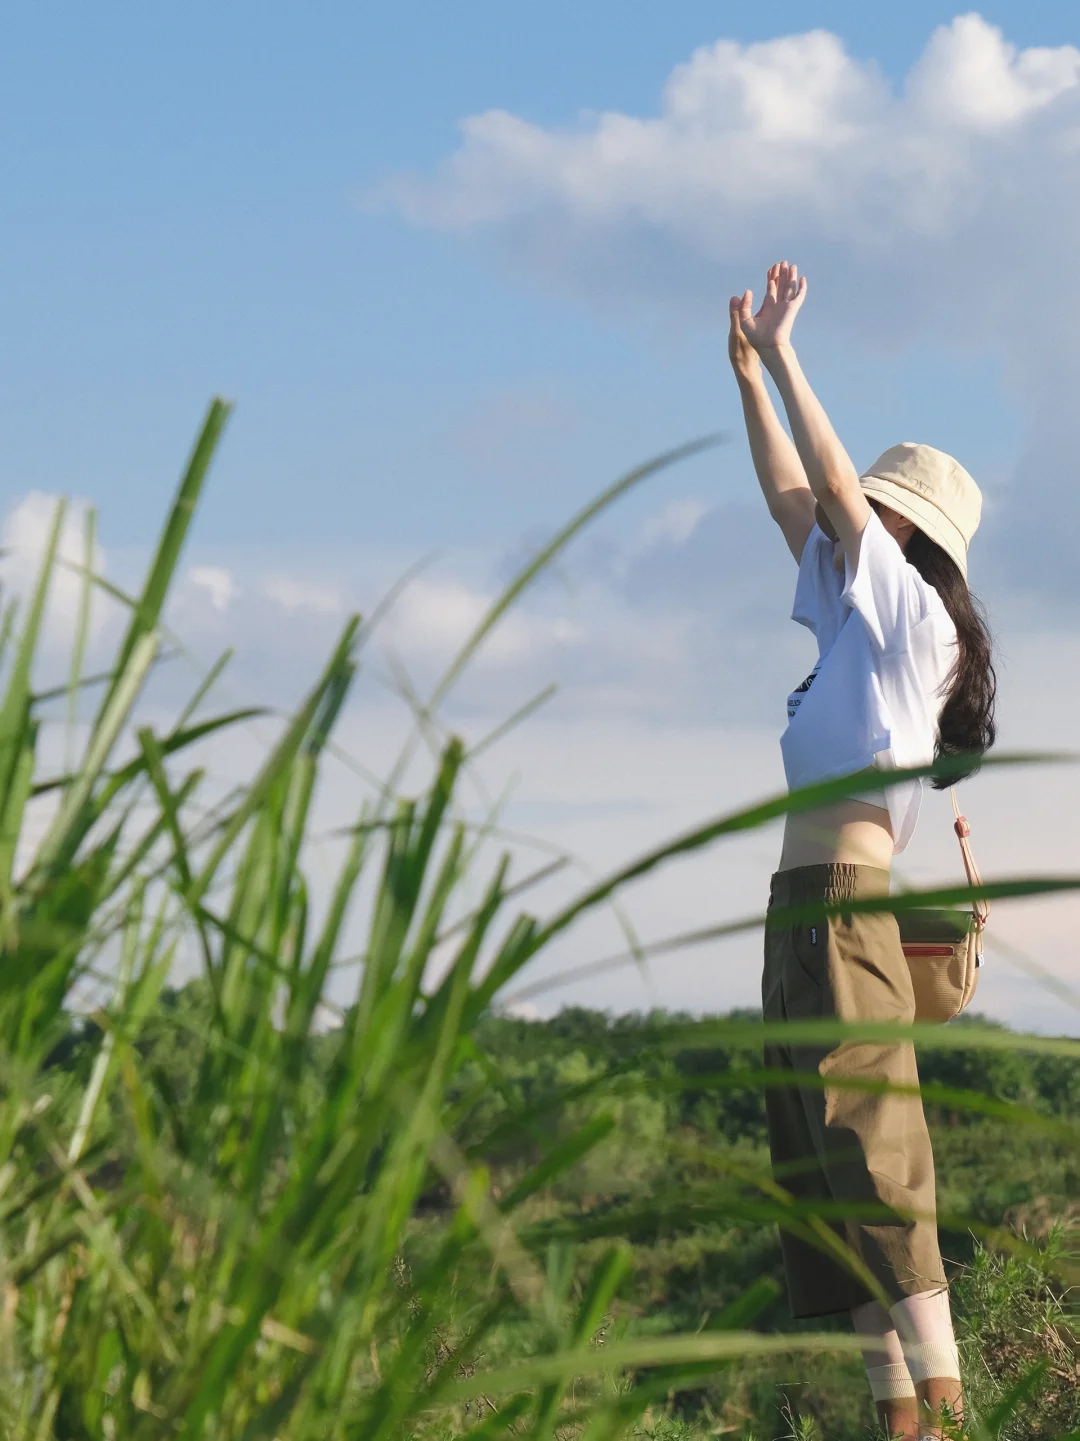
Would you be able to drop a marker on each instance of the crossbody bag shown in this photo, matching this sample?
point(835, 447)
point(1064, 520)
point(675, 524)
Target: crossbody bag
point(944, 945)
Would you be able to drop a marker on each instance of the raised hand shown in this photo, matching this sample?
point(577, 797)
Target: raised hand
point(743, 356)
point(770, 328)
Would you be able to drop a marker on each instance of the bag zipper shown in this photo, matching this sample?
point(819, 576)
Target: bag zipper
point(916, 948)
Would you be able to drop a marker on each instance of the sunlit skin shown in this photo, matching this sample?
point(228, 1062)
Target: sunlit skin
point(848, 831)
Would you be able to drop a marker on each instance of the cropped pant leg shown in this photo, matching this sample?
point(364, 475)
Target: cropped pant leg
point(842, 1140)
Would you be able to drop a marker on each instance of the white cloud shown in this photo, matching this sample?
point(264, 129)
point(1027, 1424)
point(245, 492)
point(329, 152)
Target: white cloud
point(801, 88)
point(971, 76)
point(794, 122)
point(675, 524)
point(436, 617)
point(217, 582)
point(23, 539)
point(432, 619)
point(292, 595)
point(938, 214)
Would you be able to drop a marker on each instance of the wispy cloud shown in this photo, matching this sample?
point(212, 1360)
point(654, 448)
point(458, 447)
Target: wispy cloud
point(296, 594)
point(217, 582)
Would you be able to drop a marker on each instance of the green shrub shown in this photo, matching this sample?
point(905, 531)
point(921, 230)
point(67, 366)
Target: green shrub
point(1017, 1332)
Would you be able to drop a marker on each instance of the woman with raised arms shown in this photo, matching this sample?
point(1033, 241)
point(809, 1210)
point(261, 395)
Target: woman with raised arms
point(904, 674)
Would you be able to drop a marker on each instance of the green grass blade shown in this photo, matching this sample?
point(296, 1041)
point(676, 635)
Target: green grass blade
point(103, 1060)
point(176, 740)
point(155, 769)
point(204, 688)
point(607, 1277)
point(59, 838)
point(14, 808)
point(512, 722)
point(567, 1154)
point(554, 548)
point(280, 758)
point(149, 838)
point(82, 629)
point(645, 1352)
point(149, 606)
point(14, 713)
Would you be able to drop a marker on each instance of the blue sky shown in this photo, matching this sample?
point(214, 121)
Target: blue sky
point(445, 331)
point(182, 191)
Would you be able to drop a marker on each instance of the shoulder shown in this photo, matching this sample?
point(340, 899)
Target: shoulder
point(882, 557)
point(817, 591)
point(887, 591)
point(814, 548)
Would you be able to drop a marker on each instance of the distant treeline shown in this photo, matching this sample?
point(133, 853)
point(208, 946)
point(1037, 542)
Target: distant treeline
point(1047, 1084)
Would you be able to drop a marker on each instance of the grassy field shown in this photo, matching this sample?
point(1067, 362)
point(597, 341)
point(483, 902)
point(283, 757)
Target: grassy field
point(219, 1219)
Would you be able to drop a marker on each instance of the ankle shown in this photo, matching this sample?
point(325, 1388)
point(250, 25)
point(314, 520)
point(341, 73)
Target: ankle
point(899, 1419)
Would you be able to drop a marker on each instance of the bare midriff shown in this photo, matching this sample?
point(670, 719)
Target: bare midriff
point(848, 832)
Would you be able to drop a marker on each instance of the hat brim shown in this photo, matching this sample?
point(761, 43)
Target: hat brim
point(922, 513)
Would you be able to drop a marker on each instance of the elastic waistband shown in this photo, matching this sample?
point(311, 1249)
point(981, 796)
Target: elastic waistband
point(839, 882)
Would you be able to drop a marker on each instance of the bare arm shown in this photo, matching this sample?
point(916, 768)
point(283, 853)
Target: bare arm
point(779, 470)
point(832, 477)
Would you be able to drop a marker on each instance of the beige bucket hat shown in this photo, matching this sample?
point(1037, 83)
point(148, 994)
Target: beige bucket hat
point(932, 490)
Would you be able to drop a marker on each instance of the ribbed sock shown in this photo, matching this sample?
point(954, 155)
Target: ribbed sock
point(925, 1329)
point(932, 1358)
point(886, 1369)
point(890, 1383)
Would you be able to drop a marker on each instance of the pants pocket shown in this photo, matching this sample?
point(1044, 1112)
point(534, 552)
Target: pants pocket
point(804, 970)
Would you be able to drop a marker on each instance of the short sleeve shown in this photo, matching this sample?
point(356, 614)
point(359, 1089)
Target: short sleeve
point(818, 590)
point(889, 594)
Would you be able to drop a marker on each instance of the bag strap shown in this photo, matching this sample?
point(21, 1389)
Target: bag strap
point(981, 909)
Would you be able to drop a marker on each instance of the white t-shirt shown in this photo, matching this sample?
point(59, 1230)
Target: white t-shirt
point(886, 645)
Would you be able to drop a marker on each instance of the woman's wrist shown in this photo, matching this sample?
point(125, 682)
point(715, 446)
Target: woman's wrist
point(777, 357)
point(750, 381)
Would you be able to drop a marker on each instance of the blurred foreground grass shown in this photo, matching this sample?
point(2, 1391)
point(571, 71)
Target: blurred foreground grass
point(220, 1220)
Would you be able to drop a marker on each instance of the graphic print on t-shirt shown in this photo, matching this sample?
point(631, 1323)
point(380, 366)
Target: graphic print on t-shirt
point(795, 699)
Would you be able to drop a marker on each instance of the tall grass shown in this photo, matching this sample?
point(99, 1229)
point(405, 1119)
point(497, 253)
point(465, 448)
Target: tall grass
point(242, 1255)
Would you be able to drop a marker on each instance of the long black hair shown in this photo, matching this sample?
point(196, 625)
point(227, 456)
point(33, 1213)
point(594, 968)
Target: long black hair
point(966, 725)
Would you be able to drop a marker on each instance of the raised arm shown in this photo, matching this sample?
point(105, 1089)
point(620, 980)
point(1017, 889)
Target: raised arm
point(776, 461)
point(833, 478)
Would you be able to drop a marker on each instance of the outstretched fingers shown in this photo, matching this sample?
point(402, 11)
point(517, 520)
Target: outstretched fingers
point(790, 285)
point(734, 305)
point(771, 325)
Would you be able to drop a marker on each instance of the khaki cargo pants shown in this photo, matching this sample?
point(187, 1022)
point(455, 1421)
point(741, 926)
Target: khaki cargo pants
point(864, 1155)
